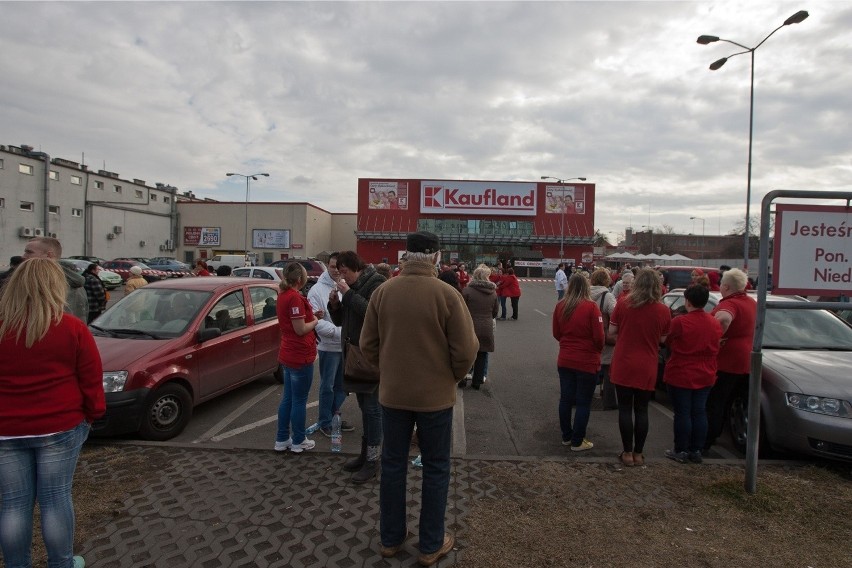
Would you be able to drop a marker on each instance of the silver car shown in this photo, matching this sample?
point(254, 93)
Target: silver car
point(806, 389)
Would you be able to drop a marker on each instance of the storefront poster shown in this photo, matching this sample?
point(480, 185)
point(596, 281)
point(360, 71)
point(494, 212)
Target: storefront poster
point(202, 236)
point(568, 199)
point(388, 195)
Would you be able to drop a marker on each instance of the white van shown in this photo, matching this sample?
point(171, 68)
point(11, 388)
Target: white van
point(232, 260)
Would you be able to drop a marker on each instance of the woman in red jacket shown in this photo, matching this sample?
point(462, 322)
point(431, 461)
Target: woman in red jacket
point(497, 278)
point(638, 324)
point(578, 327)
point(511, 289)
point(51, 390)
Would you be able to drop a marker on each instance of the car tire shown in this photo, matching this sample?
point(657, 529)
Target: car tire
point(167, 413)
point(278, 374)
point(738, 424)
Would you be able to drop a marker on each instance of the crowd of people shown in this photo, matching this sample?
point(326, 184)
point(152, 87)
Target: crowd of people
point(613, 330)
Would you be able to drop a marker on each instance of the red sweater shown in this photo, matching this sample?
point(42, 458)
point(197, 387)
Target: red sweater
point(735, 353)
point(581, 337)
point(52, 386)
point(509, 286)
point(694, 343)
point(296, 350)
point(636, 354)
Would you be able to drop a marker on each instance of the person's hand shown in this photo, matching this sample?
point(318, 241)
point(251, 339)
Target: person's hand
point(319, 314)
point(342, 286)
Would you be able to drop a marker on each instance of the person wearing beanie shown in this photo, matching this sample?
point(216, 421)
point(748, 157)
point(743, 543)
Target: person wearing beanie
point(135, 280)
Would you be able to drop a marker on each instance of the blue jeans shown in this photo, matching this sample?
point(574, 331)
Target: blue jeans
point(293, 407)
point(559, 294)
point(576, 388)
point(371, 417)
point(434, 433)
point(502, 307)
point(690, 417)
point(39, 468)
point(331, 393)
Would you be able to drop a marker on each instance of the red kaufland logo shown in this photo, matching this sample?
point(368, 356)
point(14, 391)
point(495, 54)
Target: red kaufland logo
point(432, 196)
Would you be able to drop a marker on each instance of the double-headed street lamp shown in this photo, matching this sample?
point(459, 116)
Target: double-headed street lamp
point(248, 180)
point(796, 18)
point(702, 232)
point(563, 207)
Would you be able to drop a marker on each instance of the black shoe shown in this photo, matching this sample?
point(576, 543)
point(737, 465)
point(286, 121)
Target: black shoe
point(679, 457)
point(475, 387)
point(462, 383)
point(346, 426)
point(366, 473)
point(326, 432)
point(695, 457)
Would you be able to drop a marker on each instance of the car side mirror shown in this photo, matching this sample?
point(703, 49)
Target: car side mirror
point(208, 333)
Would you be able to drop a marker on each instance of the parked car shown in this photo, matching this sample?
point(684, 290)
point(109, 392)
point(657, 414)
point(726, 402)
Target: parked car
point(110, 279)
point(232, 260)
point(806, 387)
point(261, 272)
point(121, 266)
point(314, 268)
point(175, 267)
point(95, 259)
point(176, 343)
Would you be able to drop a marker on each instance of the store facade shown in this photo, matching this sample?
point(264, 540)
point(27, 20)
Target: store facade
point(478, 221)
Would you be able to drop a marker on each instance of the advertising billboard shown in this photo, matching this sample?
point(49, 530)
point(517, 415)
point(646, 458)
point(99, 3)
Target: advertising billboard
point(813, 250)
point(202, 236)
point(388, 195)
point(270, 238)
point(478, 198)
point(564, 199)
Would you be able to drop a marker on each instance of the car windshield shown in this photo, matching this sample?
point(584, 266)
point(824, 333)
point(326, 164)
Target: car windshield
point(161, 313)
point(806, 330)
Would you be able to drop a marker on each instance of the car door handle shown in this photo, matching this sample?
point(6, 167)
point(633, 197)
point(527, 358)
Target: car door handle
point(246, 338)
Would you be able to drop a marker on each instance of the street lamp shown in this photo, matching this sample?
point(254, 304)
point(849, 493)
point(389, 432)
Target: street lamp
point(702, 233)
point(796, 18)
point(248, 178)
point(562, 221)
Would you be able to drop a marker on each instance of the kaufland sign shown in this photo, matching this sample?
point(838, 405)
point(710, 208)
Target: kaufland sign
point(478, 197)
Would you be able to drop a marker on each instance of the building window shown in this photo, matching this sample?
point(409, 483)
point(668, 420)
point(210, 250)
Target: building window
point(26, 206)
point(154, 198)
point(25, 169)
point(1, 163)
point(53, 209)
point(99, 185)
point(54, 175)
point(165, 199)
point(76, 212)
point(2, 202)
point(116, 188)
point(76, 180)
point(138, 194)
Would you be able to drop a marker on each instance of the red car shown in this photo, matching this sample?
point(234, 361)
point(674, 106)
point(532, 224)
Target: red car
point(121, 266)
point(174, 344)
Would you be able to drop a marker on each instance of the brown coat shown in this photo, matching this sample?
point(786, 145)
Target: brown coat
point(420, 333)
point(481, 299)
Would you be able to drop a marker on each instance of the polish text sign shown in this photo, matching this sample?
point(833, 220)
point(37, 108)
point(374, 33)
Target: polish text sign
point(813, 250)
point(478, 198)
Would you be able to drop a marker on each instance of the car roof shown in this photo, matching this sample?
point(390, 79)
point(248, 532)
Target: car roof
point(207, 283)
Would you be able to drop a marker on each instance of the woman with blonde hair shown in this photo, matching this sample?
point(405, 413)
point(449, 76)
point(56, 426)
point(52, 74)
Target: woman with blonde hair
point(639, 323)
point(297, 354)
point(578, 327)
point(51, 390)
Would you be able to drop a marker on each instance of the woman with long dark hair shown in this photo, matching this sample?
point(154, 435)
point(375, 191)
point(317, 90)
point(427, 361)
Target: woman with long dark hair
point(578, 327)
point(358, 281)
point(638, 324)
point(298, 352)
point(51, 390)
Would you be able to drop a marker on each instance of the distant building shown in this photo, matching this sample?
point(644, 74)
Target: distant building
point(694, 246)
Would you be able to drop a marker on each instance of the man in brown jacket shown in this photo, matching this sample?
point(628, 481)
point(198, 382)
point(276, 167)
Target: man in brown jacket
point(420, 333)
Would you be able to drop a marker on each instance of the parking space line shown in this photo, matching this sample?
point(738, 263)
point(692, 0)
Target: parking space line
point(540, 312)
point(242, 409)
point(253, 425)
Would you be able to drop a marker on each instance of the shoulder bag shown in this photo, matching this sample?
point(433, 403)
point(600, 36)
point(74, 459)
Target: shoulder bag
point(357, 368)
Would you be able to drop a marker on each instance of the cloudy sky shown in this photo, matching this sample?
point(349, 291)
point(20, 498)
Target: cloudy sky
point(319, 94)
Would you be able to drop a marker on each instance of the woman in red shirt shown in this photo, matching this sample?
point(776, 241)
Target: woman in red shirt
point(693, 341)
point(51, 390)
point(638, 324)
point(298, 352)
point(578, 327)
point(511, 289)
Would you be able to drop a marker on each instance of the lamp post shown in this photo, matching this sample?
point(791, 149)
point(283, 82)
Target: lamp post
point(248, 181)
point(796, 18)
point(562, 221)
point(702, 233)
point(650, 230)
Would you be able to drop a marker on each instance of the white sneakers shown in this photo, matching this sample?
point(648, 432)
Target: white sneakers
point(305, 445)
point(295, 448)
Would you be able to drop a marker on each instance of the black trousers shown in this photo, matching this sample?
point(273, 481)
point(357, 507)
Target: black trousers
point(719, 402)
point(515, 307)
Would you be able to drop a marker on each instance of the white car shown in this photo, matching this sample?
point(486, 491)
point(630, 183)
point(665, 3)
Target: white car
point(262, 272)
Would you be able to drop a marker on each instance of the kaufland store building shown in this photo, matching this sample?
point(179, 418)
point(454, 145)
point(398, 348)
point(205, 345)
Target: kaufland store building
point(478, 221)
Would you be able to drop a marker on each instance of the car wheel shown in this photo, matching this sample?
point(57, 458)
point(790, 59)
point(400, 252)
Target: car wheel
point(167, 413)
point(738, 421)
point(279, 375)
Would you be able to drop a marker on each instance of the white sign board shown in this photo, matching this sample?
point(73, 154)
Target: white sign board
point(478, 198)
point(813, 250)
